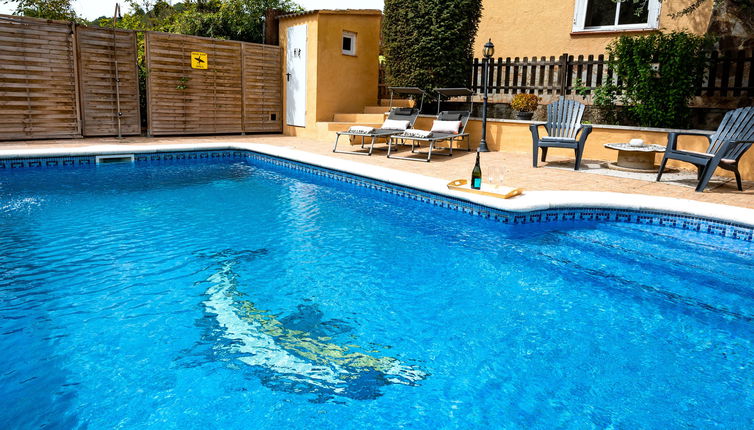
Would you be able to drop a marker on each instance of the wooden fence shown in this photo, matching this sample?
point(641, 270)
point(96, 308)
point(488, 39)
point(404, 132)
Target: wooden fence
point(38, 83)
point(57, 80)
point(62, 80)
point(109, 82)
point(382, 91)
point(263, 88)
point(729, 74)
point(232, 87)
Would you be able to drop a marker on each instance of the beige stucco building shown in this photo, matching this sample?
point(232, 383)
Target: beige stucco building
point(520, 28)
point(334, 60)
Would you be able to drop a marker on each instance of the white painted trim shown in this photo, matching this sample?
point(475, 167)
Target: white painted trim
point(579, 17)
point(351, 35)
point(529, 201)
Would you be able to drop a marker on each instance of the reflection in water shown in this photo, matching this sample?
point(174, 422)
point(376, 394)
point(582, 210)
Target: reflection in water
point(295, 353)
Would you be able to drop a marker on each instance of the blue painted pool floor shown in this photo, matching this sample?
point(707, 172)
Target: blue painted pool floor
point(237, 295)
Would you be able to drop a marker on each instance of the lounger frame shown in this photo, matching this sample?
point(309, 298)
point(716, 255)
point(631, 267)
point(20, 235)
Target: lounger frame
point(433, 140)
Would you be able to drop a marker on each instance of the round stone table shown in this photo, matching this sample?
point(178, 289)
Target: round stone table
point(635, 158)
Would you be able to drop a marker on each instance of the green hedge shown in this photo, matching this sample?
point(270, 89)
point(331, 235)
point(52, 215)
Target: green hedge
point(659, 98)
point(429, 43)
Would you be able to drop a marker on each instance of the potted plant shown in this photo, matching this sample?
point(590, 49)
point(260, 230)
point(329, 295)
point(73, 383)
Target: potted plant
point(524, 105)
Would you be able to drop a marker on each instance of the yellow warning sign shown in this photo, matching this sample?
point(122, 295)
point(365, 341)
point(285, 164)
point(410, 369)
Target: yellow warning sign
point(198, 60)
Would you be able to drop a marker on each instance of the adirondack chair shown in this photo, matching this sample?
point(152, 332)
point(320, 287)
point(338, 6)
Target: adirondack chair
point(563, 127)
point(728, 144)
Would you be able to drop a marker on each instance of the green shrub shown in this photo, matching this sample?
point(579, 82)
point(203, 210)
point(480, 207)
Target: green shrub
point(604, 99)
point(659, 98)
point(429, 43)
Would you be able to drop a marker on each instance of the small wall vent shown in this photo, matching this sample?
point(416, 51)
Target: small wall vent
point(115, 159)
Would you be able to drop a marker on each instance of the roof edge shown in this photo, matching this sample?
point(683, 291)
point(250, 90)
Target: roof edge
point(332, 12)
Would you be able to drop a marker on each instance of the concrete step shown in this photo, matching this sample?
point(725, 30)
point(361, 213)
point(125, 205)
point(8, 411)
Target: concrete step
point(326, 130)
point(345, 125)
point(375, 109)
point(359, 117)
point(397, 102)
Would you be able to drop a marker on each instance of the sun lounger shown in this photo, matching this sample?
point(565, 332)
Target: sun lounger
point(450, 127)
point(398, 120)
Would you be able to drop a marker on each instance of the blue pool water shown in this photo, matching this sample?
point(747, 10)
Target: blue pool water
point(239, 295)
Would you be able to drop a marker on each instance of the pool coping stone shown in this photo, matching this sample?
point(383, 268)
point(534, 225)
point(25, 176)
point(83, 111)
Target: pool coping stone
point(528, 202)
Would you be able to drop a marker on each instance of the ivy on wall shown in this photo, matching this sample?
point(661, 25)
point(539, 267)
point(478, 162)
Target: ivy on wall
point(429, 43)
point(659, 74)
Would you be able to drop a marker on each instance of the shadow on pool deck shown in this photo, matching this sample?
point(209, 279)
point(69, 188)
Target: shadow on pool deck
point(558, 174)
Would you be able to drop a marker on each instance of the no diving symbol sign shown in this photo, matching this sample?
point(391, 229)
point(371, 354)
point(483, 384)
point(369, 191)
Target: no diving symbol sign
point(198, 60)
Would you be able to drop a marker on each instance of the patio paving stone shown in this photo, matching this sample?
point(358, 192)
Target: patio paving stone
point(557, 174)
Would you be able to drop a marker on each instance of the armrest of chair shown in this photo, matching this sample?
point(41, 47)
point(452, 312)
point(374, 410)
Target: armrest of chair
point(584, 129)
point(738, 151)
point(673, 137)
point(534, 128)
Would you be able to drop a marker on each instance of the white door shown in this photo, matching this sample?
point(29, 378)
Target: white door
point(295, 76)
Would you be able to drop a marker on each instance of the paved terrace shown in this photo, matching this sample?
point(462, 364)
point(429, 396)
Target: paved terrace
point(557, 174)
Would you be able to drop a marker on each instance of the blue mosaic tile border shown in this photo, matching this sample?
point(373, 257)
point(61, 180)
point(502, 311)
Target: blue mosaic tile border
point(87, 161)
point(684, 222)
point(46, 162)
point(170, 157)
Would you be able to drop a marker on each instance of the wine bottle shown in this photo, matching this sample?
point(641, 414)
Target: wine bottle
point(476, 175)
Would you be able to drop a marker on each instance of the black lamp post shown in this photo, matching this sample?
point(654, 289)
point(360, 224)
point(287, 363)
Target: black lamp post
point(488, 51)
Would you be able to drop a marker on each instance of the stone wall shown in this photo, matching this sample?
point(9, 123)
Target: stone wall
point(734, 25)
point(701, 118)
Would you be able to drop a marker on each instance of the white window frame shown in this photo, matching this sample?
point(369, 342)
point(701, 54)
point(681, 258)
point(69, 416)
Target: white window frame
point(351, 35)
point(579, 17)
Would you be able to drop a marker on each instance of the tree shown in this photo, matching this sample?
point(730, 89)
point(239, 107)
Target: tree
point(228, 19)
point(221, 19)
point(428, 43)
point(47, 9)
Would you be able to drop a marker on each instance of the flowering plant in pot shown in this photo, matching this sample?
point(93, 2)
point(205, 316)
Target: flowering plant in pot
point(524, 105)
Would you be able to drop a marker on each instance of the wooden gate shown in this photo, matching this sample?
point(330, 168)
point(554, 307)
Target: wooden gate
point(109, 80)
point(38, 85)
point(197, 85)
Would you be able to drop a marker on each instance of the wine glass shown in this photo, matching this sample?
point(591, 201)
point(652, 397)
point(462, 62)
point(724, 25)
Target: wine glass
point(494, 176)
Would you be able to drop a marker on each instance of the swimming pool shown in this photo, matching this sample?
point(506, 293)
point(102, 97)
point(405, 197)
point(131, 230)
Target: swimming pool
point(243, 293)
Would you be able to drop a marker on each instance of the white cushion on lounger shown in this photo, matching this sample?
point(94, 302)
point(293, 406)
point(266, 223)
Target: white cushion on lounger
point(395, 124)
point(361, 129)
point(446, 126)
point(417, 133)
